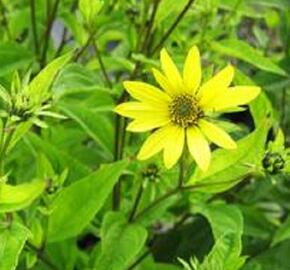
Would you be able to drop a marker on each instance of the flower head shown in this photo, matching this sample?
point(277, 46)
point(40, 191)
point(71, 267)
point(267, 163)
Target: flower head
point(182, 110)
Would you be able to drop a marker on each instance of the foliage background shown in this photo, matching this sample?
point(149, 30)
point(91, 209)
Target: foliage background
point(58, 131)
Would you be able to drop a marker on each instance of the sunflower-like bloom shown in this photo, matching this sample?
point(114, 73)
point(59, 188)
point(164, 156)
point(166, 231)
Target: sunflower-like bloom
point(182, 111)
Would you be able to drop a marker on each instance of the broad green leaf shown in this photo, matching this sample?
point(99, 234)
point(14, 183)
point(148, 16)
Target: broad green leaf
point(227, 226)
point(223, 219)
point(82, 85)
point(220, 256)
point(261, 107)
point(228, 167)
point(282, 233)
point(256, 223)
point(58, 157)
point(14, 198)
point(13, 56)
point(77, 79)
point(275, 258)
point(121, 242)
point(94, 124)
point(12, 239)
point(243, 51)
point(90, 9)
point(77, 204)
point(38, 87)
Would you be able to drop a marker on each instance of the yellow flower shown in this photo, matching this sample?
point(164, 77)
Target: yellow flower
point(182, 111)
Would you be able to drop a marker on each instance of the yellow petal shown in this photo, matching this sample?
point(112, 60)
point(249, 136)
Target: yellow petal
point(164, 82)
point(154, 143)
point(147, 124)
point(173, 146)
point(140, 110)
point(146, 92)
point(198, 147)
point(216, 85)
point(170, 70)
point(216, 135)
point(234, 96)
point(192, 71)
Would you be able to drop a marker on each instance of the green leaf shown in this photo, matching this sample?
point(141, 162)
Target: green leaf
point(90, 9)
point(227, 226)
point(228, 167)
point(13, 56)
point(94, 124)
point(276, 258)
point(77, 204)
point(223, 219)
point(243, 51)
point(13, 198)
point(39, 86)
point(221, 256)
point(282, 233)
point(57, 156)
point(12, 239)
point(261, 107)
point(121, 242)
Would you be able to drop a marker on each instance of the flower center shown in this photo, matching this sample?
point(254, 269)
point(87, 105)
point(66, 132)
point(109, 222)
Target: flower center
point(184, 110)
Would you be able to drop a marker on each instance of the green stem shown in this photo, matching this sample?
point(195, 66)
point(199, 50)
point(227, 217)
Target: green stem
point(62, 43)
point(50, 19)
point(181, 170)
point(150, 24)
point(41, 256)
point(86, 45)
point(159, 200)
point(172, 27)
point(4, 146)
point(4, 20)
point(140, 259)
point(102, 65)
point(136, 202)
point(34, 27)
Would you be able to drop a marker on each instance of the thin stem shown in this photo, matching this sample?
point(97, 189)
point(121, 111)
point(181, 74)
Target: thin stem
point(41, 256)
point(283, 106)
point(62, 43)
point(158, 201)
point(136, 202)
point(144, 255)
point(102, 66)
point(139, 260)
point(5, 141)
point(172, 27)
point(117, 196)
point(33, 26)
point(177, 189)
point(5, 21)
point(150, 25)
point(83, 49)
point(64, 37)
point(181, 170)
point(226, 19)
point(120, 124)
point(49, 23)
point(117, 155)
